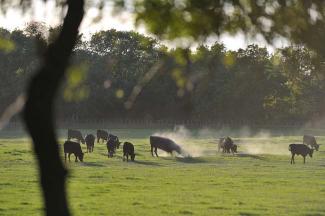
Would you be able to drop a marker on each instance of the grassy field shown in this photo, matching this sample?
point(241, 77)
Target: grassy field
point(259, 180)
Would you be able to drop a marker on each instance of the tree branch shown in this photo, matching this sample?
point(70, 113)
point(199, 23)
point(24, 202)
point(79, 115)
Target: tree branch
point(38, 111)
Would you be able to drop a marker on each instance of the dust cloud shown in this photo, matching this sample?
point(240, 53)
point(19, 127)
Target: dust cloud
point(203, 142)
point(185, 139)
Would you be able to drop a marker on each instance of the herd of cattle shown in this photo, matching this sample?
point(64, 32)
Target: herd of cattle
point(225, 144)
point(112, 143)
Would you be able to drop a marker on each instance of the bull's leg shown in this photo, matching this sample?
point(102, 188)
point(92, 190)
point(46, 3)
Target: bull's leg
point(304, 159)
point(156, 151)
point(69, 156)
point(151, 150)
point(127, 157)
point(76, 160)
point(65, 157)
point(293, 159)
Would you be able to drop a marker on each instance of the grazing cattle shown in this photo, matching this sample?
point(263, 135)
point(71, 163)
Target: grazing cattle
point(128, 149)
point(164, 144)
point(310, 141)
point(90, 142)
point(75, 134)
point(227, 145)
point(102, 134)
point(300, 149)
point(112, 144)
point(234, 148)
point(71, 147)
point(221, 144)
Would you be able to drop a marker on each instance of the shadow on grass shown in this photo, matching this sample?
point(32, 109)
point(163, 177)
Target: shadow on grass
point(92, 164)
point(148, 163)
point(184, 159)
point(251, 156)
point(190, 160)
point(116, 156)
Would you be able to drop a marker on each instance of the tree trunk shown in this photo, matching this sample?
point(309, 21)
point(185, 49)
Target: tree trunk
point(38, 111)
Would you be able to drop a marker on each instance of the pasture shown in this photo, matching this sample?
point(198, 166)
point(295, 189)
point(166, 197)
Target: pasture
point(259, 180)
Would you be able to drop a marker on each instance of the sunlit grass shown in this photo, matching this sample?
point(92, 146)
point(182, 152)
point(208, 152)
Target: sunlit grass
point(216, 184)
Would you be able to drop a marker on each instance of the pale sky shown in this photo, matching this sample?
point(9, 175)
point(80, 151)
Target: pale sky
point(45, 12)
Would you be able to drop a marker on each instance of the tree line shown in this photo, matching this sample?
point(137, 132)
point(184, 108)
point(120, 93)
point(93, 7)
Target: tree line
point(126, 75)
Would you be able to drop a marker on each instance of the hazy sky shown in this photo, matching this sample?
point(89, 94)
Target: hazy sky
point(44, 12)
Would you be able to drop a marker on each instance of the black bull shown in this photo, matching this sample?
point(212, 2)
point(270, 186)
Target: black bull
point(164, 144)
point(102, 134)
point(75, 134)
point(112, 144)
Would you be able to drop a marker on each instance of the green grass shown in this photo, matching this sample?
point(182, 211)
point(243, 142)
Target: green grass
point(214, 184)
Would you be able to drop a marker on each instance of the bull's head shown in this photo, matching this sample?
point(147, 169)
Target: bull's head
point(132, 157)
point(234, 148)
point(118, 143)
point(178, 149)
point(229, 140)
point(311, 152)
point(81, 157)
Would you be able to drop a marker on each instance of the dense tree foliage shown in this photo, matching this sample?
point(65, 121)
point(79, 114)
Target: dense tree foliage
point(246, 86)
point(296, 20)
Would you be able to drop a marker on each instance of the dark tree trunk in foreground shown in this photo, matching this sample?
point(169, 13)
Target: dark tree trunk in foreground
point(38, 111)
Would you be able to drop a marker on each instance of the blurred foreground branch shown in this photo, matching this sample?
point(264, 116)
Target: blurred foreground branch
point(38, 111)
